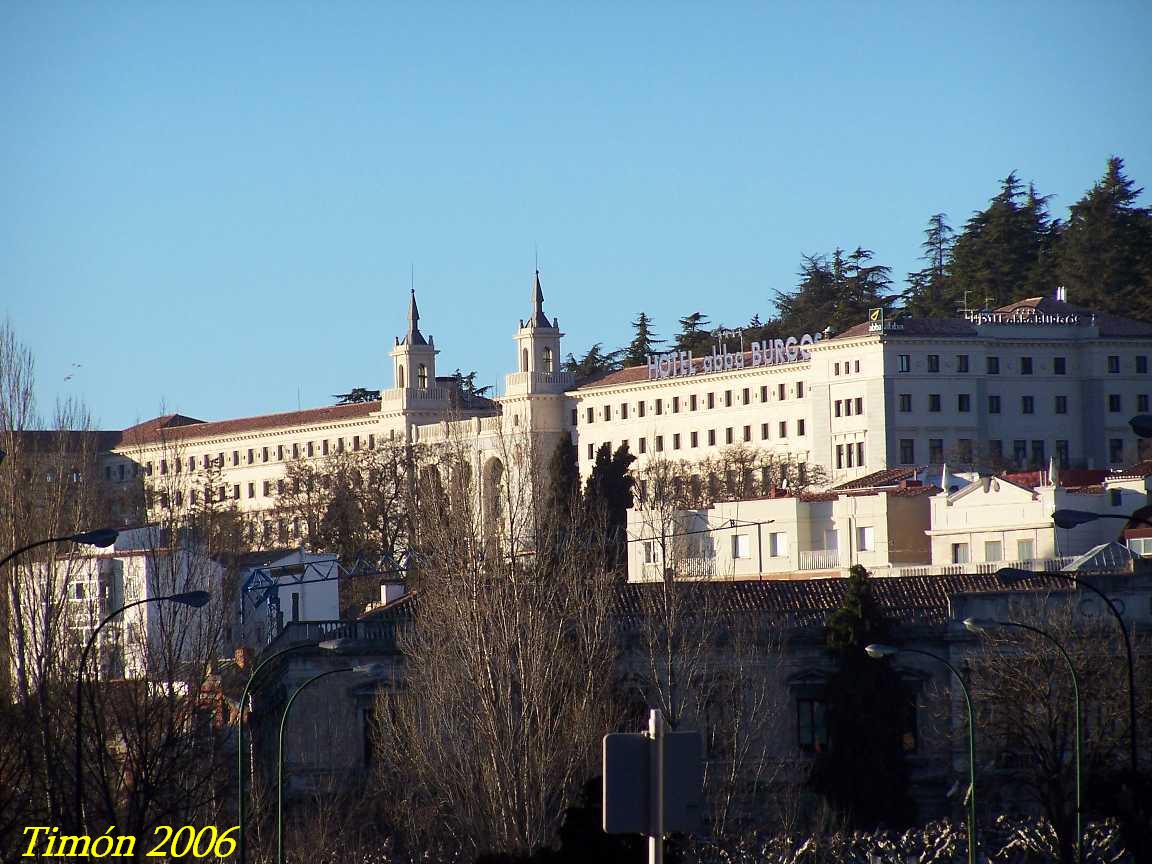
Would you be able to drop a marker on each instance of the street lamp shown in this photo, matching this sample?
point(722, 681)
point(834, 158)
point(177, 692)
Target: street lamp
point(101, 537)
point(366, 669)
point(1067, 518)
point(194, 599)
point(877, 652)
point(1010, 575)
point(984, 626)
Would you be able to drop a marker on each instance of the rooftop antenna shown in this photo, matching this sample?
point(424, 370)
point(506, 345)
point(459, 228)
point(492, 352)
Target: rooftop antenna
point(964, 307)
point(536, 255)
point(412, 277)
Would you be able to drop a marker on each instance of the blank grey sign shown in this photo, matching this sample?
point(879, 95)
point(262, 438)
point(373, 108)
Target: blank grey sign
point(626, 783)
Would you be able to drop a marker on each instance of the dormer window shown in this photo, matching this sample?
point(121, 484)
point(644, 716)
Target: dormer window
point(548, 360)
point(422, 376)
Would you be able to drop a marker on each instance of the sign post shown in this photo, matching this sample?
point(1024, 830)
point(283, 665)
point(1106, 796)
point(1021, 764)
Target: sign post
point(653, 783)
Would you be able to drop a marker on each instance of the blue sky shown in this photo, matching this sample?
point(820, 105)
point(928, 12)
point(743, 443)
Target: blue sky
point(215, 207)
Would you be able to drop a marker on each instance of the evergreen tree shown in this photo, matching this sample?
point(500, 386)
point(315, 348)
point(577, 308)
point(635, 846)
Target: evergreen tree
point(929, 293)
point(642, 344)
point(563, 498)
point(1003, 254)
point(593, 364)
point(610, 487)
point(1105, 254)
point(836, 293)
point(862, 772)
point(693, 335)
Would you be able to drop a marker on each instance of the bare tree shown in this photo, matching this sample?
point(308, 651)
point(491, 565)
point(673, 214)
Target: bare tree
point(508, 662)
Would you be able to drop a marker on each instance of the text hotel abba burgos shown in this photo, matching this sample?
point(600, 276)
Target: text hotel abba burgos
point(676, 364)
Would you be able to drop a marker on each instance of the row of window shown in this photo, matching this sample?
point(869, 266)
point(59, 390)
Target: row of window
point(693, 438)
point(850, 455)
point(1027, 403)
point(1024, 453)
point(848, 407)
point(691, 403)
point(1027, 364)
point(848, 366)
point(248, 457)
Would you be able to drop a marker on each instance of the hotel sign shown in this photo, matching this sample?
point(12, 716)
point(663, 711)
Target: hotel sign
point(770, 352)
point(1020, 316)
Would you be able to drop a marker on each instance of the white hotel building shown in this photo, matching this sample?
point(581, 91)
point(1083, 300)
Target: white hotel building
point(1030, 383)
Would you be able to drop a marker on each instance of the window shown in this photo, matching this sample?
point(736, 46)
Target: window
point(907, 451)
point(251, 490)
point(961, 362)
point(859, 404)
point(372, 441)
point(747, 396)
point(859, 454)
point(692, 402)
point(1115, 450)
point(1142, 403)
point(763, 431)
point(903, 362)
point(849, 454)
point(1062, 454)
point(264, 454)
point(607, 412)
point(711, 400)
point(659, 406)
point(236, 490)
point(839, 456)
point(836, 367)
point(311, 449)
point(811, 725)
point(934, 402)
point(641, 408)
point(267, 488)
point(959, 553)
point(747, 433)
point(799, 427)
point(591, 451)
point(1019, 451)
point(1024, 550)
point(711, 437)
point(591, 415)
point(695, 439)
point(659, 443)
point(728, 435)
point(777, 544)
point(781, 391)
point(643, 445)
point(1025, 365)
point(993, 365)
point(865, 538)
point(783, 428)
point(963, 402)
point(933, 362)
point(740, 546)
point(1115, 497)
point(295, 451)
point(936, 450)
point(855, 365)
point(727, 398)
point(1142, 364)
point(1113, 402)
point(993, 404)
point(905, 400)
point(1061, 406)
point(676, 441)
point(651, 552)
point(675, 404)
point(964, 450)
point(1113, 364)
point(1027, 405)
point(1059, 365)
point(799, 389)
point(838, 408)
point(192, 463)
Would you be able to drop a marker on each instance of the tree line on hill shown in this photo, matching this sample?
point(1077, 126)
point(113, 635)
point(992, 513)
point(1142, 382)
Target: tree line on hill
point(1012, 249)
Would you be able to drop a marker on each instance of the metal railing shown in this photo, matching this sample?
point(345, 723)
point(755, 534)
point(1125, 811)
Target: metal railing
point(300, 632)
point(819, 559)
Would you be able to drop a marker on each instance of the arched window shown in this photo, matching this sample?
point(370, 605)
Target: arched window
point(400, 375)
point(548, 360)
point(422, 376)
point(524, 360)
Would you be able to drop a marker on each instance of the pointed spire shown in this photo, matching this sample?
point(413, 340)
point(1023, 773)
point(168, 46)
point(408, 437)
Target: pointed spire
point(414, 336)
point(538, 319)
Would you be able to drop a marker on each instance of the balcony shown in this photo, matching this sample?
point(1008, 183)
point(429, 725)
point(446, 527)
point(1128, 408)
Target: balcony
point(819, 559)
point(562, 380)
point(379, 635)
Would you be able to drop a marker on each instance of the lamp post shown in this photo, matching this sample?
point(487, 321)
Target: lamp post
point(241, 844)
point(195, 599)
point(983, 625)
point(364, 669)
point(1011, 575)
point(101, 537)
point(877, 652)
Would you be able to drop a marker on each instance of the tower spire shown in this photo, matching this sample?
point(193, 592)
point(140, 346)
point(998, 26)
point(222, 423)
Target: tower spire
point(538, 319)
point(414, 336)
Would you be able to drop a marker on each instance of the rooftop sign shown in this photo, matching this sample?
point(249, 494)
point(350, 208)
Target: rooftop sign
point(770, 352)
point(1026, 315)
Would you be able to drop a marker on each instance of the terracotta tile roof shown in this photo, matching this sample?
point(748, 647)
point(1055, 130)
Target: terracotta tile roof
point(914, 491)
point(886, 477)
point(804, 602)
point(164, 429)
point(1139, 470)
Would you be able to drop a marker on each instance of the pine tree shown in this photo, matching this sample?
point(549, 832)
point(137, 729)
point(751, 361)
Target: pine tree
point(929, 293)
point(836, 293)
point(863, 772)
point(643, 343)
point(693, 334)
point(593, 364)
point(610, 486)
point(1105, 254)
